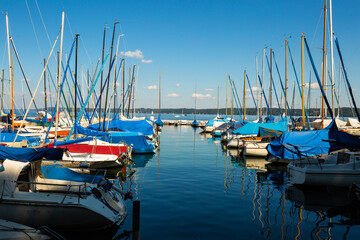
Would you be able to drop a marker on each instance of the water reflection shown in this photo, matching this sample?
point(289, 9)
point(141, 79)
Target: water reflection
point(333, 207)
point(203, 177)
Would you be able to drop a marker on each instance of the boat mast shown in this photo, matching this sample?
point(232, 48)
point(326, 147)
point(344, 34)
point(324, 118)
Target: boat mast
point(116, 56)
point(218, 102)
point(262, 85)
point(244, 95)
point(45, 94)
point(135, 87)
point(195, 104)
point(323, 67)
point(123, 87)
point(12, 91)
point(271, 83)
point(302, 82)
point(59, 76)
point(160, 92)
point(101, 77)
point(10, 65)
point(2, 92)
point(257, 87)
point(339, 88)
point(286, 78)
point(227, 86)
point(232, 100)
point(108, 77)
point(332, 57)
point(76, 75)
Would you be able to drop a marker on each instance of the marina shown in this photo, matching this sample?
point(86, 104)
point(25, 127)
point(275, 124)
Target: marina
point(179, 120)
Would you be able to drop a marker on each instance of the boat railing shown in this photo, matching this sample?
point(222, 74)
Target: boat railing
point(79, 192)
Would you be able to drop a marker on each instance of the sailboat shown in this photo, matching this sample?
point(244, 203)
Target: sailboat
point(95, 208)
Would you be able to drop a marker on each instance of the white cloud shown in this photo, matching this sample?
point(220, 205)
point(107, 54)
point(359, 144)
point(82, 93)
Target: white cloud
point(314, 85)
point(152, 87)
point(23, 80)
point(43, 93)
point(209, 89)
point(178, 84)
point(173, 95)
point(146, 61)
point(137, 54)
point(202, 96)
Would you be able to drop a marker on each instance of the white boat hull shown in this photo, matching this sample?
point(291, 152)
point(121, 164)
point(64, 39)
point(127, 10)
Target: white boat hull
point(49, 211)
point(327, 173)
point(254, 149)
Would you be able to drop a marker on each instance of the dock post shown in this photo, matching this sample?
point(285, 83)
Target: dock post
point(136, 220)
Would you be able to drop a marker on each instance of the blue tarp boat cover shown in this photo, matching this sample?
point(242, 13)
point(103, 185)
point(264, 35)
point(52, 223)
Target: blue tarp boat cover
point(30, 154)
point(10, 136)
point(138, 140)
point(251, 128)
point(57, 171)
point(88, 132)
point(73, 141)
point(141, 126)
point(296, 145)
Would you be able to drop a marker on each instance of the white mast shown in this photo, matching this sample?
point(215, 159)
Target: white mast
point(10, 67)
point(257, 87)
point(59, 76)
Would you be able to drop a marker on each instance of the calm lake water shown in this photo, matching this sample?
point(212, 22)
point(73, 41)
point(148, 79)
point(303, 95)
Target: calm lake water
point(193, 188)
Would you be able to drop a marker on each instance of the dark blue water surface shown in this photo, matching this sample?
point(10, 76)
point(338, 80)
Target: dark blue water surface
point(193, 188)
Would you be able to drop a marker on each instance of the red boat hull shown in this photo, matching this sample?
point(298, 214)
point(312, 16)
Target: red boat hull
point(94, 149)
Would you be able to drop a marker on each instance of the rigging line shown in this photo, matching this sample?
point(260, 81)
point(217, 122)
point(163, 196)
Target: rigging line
point(273, 84)
point(348, 95)
point(87, 99)
point(124, 38)
point(32, 23)
point(251, 92)
point(81, 39)
point(318, 79)
point(67, 20)
point(283, 89)
point(298, 84)
point(47, 34)
point(37, 87)
point(86, 52)
point(22, 71)
point(317, 26)
point(3, 58)
point(237, 100)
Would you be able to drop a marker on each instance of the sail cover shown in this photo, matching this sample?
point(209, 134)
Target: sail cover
point(296, 145)
point(141, 126)
point(89, 132)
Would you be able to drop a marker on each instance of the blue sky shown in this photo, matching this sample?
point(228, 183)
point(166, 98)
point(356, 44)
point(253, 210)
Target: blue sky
point(194, 43)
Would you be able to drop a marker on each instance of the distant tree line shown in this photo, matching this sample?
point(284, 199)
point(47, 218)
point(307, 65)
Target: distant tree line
point(344, 112)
